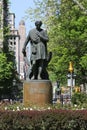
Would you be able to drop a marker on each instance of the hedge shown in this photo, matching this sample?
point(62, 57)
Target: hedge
point(43, 120)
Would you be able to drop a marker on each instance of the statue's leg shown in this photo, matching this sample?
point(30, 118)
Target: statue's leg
point(35, 70)
point(39, 72)
point(40, 67)
point(44, 74)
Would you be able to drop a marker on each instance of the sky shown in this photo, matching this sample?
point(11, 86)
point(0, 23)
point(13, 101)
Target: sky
point(19, 7)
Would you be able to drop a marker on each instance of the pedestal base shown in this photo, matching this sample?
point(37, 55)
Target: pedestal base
point(37, 92)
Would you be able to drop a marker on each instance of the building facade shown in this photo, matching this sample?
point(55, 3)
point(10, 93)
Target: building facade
point(22, 33)
point(14, 40)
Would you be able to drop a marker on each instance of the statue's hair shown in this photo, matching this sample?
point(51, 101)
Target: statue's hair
point(38, 22)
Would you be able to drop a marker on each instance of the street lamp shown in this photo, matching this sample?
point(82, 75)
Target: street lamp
point(58, 90)
point(71, 77)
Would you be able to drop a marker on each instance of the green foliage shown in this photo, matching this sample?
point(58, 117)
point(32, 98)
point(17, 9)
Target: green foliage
point(6, 75)
point(43, 120)
point(5, 67)
point(79, 98)
point(83, 61)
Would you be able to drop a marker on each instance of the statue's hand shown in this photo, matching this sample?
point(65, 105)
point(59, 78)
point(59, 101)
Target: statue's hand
point(38, 33)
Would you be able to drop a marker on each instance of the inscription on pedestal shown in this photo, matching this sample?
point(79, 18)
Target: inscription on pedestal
point(40, 91)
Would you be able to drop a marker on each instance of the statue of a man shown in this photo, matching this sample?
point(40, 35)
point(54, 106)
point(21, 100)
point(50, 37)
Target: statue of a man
point(38, 39)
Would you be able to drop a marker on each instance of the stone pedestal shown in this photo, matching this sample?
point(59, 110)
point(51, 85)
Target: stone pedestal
point(37, 92)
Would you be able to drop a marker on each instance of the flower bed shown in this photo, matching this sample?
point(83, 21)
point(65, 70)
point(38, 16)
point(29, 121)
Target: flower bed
point(43, 120)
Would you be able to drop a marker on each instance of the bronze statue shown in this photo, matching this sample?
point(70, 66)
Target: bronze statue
point(39, 59)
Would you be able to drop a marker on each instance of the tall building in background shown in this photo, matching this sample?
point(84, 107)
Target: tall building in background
point(14, 40)
point(22, 33)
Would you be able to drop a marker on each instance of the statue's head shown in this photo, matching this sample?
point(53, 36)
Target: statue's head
point(38, 23)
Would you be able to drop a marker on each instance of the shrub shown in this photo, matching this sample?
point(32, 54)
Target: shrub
point(44, 120)
point(79, 98)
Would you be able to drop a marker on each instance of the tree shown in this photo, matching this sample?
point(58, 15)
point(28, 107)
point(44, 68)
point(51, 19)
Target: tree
point(5, 74)
point(5, 67)
point(7, 59)
point(8, 89)
point(73, 23)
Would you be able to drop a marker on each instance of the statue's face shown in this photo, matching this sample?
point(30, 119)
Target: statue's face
point(38, 26)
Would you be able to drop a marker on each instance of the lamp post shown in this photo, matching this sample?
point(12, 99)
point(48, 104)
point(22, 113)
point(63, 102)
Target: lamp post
point(71, 77)
point(57, 90)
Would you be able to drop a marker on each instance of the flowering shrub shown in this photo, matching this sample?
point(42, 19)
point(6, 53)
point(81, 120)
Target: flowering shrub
point(43, 120)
